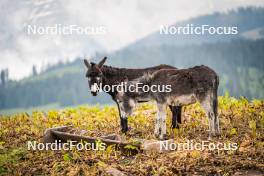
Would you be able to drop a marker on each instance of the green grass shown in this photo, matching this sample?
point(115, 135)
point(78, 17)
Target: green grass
point(45, 108)
point(29, 110)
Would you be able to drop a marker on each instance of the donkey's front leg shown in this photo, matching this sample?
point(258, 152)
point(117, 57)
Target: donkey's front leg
point(160, 126)
point(123, 119)
point(123, 122)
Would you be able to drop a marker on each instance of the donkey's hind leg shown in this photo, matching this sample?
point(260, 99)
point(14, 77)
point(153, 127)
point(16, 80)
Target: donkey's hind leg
point(160, 126)
point(207, 104)
point(176, 116)
point(215, 107)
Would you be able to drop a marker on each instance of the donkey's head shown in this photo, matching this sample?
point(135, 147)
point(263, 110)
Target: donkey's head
point(94, 75)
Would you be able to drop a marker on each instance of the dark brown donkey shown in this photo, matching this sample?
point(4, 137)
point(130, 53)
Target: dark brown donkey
point(199, 83)
point(107, 76)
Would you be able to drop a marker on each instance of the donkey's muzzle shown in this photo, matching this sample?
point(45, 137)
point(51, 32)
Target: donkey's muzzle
point(94, 93)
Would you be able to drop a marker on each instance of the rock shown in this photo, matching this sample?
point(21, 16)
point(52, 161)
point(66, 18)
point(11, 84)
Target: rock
point(48, 136)
point(114, 172)
point(155, 145)
point(248, 173)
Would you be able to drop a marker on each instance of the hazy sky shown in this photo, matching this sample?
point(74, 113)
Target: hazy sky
point(124, 21)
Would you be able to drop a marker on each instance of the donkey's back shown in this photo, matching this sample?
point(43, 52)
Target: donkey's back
point(197, 80)
point(134, 73)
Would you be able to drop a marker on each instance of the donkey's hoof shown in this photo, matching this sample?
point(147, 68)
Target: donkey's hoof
point(175, 126)
point(217, 134)
point(214, 135)
point(157, 135)
point(124, 131)
point(163, 137)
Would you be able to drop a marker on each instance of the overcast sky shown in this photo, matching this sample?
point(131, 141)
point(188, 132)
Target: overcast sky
point(123, 21)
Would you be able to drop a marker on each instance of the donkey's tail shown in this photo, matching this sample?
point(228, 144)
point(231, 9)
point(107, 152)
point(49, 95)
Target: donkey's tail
point(215, 100)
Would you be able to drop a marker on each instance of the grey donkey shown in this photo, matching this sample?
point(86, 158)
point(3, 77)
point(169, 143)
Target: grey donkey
point(187, 86)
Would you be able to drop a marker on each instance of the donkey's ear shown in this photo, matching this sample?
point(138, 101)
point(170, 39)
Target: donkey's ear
point(125, 79)
point(101, 63)
point(87, 63)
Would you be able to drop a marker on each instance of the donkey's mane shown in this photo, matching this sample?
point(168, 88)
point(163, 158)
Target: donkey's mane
point(113, 70)
point(146, 78)
point(117, 71)
point(109, 70)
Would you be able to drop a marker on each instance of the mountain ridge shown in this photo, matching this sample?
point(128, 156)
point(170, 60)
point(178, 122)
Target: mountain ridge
point(239, 62)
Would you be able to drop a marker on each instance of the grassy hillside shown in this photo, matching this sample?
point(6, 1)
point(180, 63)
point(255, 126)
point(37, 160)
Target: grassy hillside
point(61, 84)
point(245, 19)
point(241, 121)
point(238, 62)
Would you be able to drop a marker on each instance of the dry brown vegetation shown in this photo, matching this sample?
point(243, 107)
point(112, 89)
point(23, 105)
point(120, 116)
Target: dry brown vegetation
point(241, 122)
